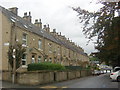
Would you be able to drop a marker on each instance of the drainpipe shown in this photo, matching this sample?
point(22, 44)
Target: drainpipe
point(14, 51)
point(43, 48)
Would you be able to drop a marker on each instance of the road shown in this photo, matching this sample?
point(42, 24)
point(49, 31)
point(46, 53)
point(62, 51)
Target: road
point(101, 81)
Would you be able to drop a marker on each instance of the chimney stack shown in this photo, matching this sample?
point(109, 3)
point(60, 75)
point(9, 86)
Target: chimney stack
point(38, 24)
point(48, 28)
point(60, 33)
point(44, 27)
point(68, 40)
point(54, 30)
point(14, 10)
point(27, 17)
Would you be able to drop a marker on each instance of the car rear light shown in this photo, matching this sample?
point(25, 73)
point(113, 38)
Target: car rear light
point(112, 73)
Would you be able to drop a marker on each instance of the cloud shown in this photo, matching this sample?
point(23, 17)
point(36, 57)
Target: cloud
point(58, 14)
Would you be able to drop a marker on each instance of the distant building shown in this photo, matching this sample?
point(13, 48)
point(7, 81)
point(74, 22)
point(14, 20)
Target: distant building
point(41, 44)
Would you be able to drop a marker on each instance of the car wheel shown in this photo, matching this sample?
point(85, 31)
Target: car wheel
point(118, 78)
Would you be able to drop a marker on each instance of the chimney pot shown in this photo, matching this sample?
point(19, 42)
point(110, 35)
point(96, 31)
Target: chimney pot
point(44, 26)
point(40, 21)
point(25, 14)
point(29, 13)
point(48, 26)
point(36, 20)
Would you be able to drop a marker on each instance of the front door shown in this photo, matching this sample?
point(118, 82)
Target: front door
point(33, 58)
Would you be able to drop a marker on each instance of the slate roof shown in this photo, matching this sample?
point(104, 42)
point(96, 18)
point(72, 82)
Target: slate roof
point(20, 22)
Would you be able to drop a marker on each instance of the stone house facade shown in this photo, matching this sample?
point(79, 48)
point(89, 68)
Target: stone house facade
point(41, 44)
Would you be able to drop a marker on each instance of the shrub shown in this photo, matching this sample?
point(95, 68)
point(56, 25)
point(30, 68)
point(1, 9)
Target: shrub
point(45, 66)
point(73, 67)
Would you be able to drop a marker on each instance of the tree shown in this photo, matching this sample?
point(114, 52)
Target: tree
point(19, 51)
point(104, 25)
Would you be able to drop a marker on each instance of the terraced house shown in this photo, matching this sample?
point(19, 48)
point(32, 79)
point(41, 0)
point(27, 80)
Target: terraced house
point(41, 44)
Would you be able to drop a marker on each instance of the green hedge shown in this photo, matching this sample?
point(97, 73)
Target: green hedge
point(77, 68)
point(44, 66)
point(73, 67)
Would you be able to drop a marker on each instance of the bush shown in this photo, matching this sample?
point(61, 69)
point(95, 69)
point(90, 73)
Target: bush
point(73, 67)
point(44, 66)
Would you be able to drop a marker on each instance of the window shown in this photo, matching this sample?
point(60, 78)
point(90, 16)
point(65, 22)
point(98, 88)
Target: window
point(58, 61)
point(39, 59)
point(64, 52)
point(116, 69)
point(24, 59)
point(39, 44)
point(33, 58)
point(58, 50)
point(45, 59)
point(50, 47)
point(24, 39)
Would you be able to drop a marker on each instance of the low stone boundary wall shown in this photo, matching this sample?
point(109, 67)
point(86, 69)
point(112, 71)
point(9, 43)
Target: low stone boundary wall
point(35, 77)
point(78, 74)
point(71, 75)
point(43, 77)
point(6, 75)
point(83, 73)
point(60, 75)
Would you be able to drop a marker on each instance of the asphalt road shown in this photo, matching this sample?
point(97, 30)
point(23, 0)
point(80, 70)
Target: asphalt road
point(101, 81)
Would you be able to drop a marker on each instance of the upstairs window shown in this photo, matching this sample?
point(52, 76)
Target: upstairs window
point(24, 39)
point(24, 59)
point(58, 50)
point(50, 47)
point(39, 44)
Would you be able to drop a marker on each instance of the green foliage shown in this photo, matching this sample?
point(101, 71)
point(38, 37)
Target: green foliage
point(105, 26)
point(19, 50)
point(73, 67)
point(45, 66)
point(94, 59)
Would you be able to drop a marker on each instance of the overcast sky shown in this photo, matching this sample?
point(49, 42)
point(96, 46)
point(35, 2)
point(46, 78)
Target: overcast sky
point(58, 14)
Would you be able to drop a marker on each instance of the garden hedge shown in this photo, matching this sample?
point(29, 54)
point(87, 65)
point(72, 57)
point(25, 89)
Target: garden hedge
point(44, 66)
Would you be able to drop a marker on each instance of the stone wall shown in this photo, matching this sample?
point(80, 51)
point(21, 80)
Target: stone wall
point(60, 75)
point(35, 77)
point(6, 75)
point(77, 74)
point(43, 77)
point(71, 74)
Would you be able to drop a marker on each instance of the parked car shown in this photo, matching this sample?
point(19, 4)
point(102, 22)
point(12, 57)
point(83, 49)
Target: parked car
point(101, 72)
point(115, 75)
point(96, 72)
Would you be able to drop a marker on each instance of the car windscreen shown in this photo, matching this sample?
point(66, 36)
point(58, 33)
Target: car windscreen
point(116, 69)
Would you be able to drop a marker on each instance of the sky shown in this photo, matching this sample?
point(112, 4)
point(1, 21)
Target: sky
point(59, 15)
